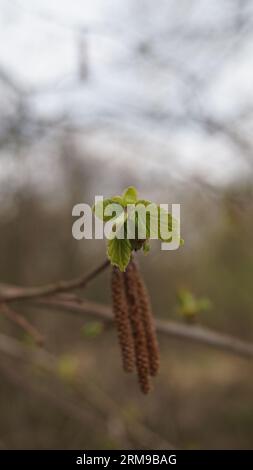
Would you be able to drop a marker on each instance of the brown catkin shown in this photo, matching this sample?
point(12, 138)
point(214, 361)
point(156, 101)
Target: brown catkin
point(148, 322)
point(122, 320)
point(140, 343)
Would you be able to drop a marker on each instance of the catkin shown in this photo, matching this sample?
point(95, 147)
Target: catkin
point(134, 321)
point(140, 342)
point(122, 320)
point(148, 322)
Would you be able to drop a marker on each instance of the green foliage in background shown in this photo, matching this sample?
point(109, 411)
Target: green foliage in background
point(189, 306)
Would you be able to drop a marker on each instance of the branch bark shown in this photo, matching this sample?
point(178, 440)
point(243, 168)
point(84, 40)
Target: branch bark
point(22, 322)
point(57, 296)
point(10, 293)
point(193, 333)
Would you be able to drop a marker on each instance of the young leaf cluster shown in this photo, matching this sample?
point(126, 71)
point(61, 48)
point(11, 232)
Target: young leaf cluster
point(119, 250)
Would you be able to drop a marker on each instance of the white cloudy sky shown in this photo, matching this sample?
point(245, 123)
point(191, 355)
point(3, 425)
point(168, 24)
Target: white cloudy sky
point(137, 102)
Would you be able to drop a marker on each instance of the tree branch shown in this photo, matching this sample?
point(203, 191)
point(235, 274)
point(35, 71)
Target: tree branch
point(59, 298)
point(10, 293)
point(22, 322)
point(193, 333)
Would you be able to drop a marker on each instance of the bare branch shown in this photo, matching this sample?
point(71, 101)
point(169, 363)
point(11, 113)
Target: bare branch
point(8, 293)
point(193, 333)
point(71, 303)
point(22, 322)
point(16, 350)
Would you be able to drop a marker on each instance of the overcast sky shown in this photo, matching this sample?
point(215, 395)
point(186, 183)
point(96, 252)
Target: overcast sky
point(146, 72)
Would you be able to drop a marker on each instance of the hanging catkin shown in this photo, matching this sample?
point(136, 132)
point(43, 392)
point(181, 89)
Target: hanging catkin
point(140, 343)
point(148, 322)
point(134, 321)
point(122, 320)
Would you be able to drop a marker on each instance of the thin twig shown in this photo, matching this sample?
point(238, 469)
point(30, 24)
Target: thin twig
point(11, 293)
point(16, 350)
point(22, 322)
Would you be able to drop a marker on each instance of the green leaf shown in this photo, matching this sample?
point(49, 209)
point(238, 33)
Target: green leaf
point(118, 199)
point(99, 209)
point(189, 305)
point(153, 220)
point(119, 252)
point(152, 224)
point(146, 247)
point(187, 302)
point(141, 220)
point(165, 223)
point(116, 211)
point(145, 202)
point(130, 196)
